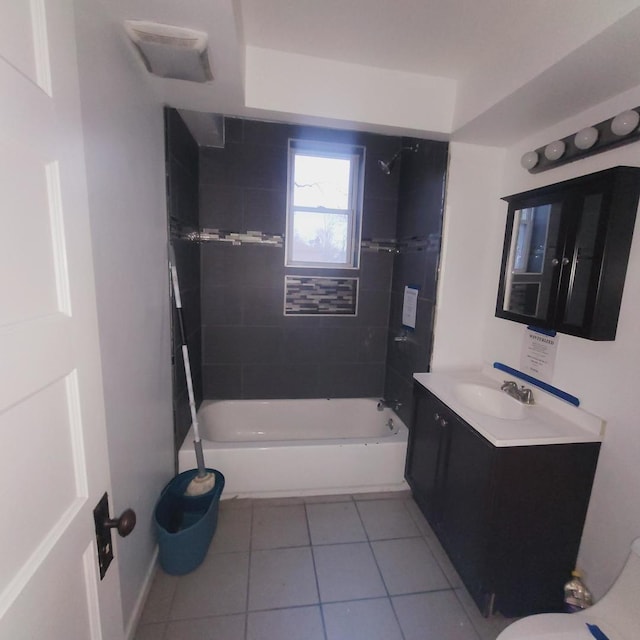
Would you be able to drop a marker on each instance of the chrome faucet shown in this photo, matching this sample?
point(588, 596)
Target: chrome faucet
point(388, 404)
point(522, 394)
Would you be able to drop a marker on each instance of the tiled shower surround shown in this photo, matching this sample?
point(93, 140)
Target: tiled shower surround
point(181, 153)
point(250, 348)
point(420, 206)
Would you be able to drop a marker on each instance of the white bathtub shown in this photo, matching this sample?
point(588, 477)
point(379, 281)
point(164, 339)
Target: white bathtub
point(272, 448)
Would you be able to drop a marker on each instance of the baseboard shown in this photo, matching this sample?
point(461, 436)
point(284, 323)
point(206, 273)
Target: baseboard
point(132, 625)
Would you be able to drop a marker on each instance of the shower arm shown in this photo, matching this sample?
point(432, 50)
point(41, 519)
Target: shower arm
point(387, 167)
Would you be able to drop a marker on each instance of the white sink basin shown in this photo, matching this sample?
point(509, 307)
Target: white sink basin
point(504, 421)
point(490, 402)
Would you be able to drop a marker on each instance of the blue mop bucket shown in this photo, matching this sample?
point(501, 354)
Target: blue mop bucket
point(185, 524)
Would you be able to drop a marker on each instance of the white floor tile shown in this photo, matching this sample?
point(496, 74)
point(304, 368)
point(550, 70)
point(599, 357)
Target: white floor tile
point(216, 628)
point(487, 628)
point(335, 522)
point(215, 602)
point(333, 497)
point(383, 495)
point(301, 623)
point(408, 566)
point(445, 564)
point(282, 578)
point(278, 502)
point(384, 519)
point(418, 518)
point(233, 532)
point(361, 620)
point(235, 503)
point(217, 587)
point(161, 594)
point(347, 572)
point(278, 527)
point(433, 616)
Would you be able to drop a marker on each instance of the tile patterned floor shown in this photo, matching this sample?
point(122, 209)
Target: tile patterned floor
point(356, 567)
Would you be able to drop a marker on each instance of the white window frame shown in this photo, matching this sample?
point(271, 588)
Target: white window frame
point(356, 156)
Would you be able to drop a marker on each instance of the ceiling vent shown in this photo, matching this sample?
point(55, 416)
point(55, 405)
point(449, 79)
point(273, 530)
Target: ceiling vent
point(171, 52)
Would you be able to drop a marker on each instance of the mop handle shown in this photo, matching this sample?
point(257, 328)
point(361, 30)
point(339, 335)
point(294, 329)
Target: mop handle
point(185, 350)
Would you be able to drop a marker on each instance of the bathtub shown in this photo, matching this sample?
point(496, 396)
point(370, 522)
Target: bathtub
point(278, 448)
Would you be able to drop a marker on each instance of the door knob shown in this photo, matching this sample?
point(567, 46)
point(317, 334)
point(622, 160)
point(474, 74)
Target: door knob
point(103, 523)
point(124, 524)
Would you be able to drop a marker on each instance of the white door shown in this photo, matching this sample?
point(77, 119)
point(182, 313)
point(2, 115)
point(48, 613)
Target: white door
point(53, 452)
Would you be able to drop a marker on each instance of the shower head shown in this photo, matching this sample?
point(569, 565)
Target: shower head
point(387, 167)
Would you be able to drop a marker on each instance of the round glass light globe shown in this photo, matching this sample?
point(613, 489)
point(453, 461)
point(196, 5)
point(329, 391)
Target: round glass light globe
point(586, 138)
point(624, 123)
point(529, 160)
point(554, 150)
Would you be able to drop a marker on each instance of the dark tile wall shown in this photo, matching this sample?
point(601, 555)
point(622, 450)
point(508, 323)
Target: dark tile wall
point(250, 349)
point(420, 208)
point(182, 200)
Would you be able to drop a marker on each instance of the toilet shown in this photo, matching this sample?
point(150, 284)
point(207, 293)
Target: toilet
point(617, 613)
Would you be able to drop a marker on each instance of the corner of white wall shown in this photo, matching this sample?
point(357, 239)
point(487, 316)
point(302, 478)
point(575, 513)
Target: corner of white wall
point(123, 132)
point(470, 258)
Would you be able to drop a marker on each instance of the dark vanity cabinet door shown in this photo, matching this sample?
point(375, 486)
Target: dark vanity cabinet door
point(467, 499)
point(426, 453)
point(449, 469)
point(509, 518)
point(565, 253)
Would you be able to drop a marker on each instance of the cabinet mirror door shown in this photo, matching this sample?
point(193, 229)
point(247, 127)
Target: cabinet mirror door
point(530, 273)
point(583, 263)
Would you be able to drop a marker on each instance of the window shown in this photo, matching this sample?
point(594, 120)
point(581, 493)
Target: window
point(324, 205)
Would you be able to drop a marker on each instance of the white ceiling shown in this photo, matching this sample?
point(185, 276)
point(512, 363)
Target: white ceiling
point(517, 65)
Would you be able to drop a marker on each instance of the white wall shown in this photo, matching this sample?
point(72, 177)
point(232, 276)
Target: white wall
point(467, 282)
point(123, 132)
point(602, 374)
point(284, 82)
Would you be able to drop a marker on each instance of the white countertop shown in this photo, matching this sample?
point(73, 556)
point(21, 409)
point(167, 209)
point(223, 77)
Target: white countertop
point(549, 421)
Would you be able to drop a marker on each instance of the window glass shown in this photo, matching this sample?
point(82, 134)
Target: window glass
point(324, 205)
point(321, 182)
point(320, 237)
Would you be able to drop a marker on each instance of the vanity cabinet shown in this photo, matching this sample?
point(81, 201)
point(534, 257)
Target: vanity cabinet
point(509, 518)
point(565, 253)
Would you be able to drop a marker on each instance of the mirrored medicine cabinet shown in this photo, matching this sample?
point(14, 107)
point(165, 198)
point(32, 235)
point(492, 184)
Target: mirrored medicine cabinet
point(565, 253)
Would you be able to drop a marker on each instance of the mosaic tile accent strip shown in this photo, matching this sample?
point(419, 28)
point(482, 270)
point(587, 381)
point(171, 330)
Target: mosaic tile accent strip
point(315, 295)
point(249, 237)
point(430, 243)
point(378, 245)
point(182, 232)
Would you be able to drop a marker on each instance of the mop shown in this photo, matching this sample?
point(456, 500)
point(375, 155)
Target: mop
point(204, 480)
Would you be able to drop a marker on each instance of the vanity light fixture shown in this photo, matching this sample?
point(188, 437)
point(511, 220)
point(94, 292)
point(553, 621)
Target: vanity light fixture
point(605, 135)
point(586, 138)
point(529, 160)
point(624, 123)
point(554, 150)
